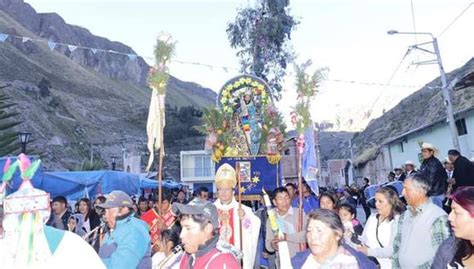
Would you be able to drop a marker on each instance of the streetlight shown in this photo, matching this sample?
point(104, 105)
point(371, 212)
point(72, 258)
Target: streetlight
point(24, 138)
point(114, 161)
point(444, 84)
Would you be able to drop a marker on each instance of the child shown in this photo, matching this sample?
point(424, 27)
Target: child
point(167, 257)
point(352, 226)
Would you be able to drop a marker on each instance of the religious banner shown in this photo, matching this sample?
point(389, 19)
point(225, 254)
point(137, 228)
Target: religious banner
point(255, 173)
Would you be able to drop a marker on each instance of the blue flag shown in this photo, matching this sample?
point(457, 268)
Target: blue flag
point(309, 161)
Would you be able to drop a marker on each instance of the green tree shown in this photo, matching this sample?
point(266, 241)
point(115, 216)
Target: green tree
point(261, 34)
point(8, 137)
point(87, 165)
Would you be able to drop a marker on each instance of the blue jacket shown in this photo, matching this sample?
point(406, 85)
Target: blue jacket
point(364, 263)
point(127, 246)
point(309, 203)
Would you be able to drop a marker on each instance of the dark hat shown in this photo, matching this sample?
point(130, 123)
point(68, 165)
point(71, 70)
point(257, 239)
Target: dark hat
point(453, 152)
point(117, 199)
point(60, 199)
point(198, 207)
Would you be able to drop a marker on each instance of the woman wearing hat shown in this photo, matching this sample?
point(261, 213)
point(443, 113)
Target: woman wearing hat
point(434, 171)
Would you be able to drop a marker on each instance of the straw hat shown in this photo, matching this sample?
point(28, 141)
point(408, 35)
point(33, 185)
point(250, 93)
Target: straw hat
point(429, 147)
point(226, 176)
point(410, 163)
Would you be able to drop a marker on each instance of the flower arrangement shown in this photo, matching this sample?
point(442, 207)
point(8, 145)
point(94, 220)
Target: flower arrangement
point(227, 97)
point(158, 75)
point(306, 89)
point(226, 132)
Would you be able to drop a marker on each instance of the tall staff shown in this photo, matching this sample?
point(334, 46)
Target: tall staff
point(237, 168)
point(158, 80)
point(306, 88)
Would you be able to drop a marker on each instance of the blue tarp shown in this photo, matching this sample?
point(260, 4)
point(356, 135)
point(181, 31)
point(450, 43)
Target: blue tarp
point(75, 185)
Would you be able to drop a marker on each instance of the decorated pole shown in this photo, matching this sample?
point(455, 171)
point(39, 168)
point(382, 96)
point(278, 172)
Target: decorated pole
point(306, 89)
point(158, 80)
point(239, 186)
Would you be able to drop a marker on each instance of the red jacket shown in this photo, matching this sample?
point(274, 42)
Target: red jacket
point(211, 260)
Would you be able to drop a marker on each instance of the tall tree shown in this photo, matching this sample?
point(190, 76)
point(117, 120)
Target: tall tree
point(262, 34)
point(8, 137)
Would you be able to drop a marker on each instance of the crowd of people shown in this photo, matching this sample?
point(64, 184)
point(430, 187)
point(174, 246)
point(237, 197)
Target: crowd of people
point(427, 224)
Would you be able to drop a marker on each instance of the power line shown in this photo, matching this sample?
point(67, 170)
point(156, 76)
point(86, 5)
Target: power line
point(455, 19)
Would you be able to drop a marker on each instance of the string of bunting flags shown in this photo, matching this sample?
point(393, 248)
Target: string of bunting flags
point(132, 56)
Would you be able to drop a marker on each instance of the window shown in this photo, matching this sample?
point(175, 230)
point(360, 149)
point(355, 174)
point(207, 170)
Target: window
point(461, 125)
point(202, 166)
point(401, 147)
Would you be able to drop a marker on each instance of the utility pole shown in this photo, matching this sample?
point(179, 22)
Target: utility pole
point(444, 85)
point(447, 97)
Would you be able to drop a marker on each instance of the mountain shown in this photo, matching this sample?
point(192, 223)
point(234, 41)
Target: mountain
point(80, 102)
point(423, 107)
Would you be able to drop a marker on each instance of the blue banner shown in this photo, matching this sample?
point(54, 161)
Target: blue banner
point(255, 173)
point(310, 166)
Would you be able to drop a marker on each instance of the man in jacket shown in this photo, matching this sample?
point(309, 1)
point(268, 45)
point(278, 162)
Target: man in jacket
point(60, 215)
point(463, 169)
point(434, 171)
point(409, 168)
point(199, 235)
point(127, 244)
point(399, 175)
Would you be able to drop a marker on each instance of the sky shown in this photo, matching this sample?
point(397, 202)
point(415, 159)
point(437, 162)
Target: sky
point(347, 37)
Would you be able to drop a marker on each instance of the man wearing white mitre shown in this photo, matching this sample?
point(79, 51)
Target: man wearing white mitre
point(230, 218)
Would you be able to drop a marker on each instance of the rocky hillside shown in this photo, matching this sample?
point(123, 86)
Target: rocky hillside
point(79, 102)
point(335, 145)
point(423, 107)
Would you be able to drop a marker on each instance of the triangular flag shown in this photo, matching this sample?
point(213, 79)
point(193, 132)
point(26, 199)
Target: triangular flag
point(132, 56)
point(94, 51)
point(25, 39)
point(3, 37)
point(51, 45)
point(71, 48)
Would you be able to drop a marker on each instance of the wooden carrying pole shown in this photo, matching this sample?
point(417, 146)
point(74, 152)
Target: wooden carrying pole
point(162, 151)
point(237, 169)
point(300, 193)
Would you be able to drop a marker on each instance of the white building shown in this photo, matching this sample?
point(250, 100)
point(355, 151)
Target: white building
point(406, 146)
point(197, 169)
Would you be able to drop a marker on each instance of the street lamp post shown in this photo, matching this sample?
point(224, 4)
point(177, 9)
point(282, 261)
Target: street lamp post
point(24, 138)
point(114, 162)
point(444, 85)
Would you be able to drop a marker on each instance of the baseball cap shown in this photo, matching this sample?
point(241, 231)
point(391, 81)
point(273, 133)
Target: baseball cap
point(197, 207)
point(117, 199)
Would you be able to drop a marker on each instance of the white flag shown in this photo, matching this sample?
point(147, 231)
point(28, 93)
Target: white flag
point(154, 125)
point(72, 48)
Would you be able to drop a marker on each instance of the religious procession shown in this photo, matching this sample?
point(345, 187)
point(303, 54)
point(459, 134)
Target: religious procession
point(275, 165)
